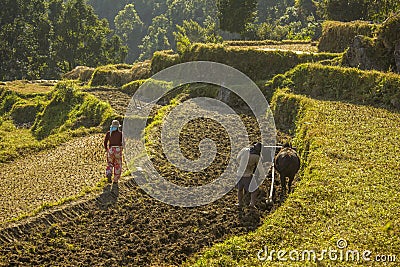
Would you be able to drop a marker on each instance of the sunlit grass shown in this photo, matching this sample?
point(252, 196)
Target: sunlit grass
point(13, 141)
point(291, 47)
point(30, 123)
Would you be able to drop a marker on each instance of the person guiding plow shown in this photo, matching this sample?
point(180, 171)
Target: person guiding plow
point(113, 144)
point(248, 159)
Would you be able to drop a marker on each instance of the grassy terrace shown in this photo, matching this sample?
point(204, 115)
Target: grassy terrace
point(348, 189)
point(32, 120)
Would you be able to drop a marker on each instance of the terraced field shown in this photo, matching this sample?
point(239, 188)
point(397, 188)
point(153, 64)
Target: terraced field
point(347, 190)
point(49, 177)
point(122, 225)
point(38, 181)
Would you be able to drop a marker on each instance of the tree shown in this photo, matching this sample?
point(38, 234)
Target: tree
point(130, 27)
point(149, 9)
point(157, 37)
point(270, 10)
point(24, 39)
point(108, 9)
point(306, 7)
point(191, 32)
point(346, 10)
point(42, 39)
point(380, 10)
point(205, 11)
point(81, 38)
point(235, 14)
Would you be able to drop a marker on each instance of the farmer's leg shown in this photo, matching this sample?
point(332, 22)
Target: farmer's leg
point(253, 196)
point(240, 197)
point(240, 193)
point(117, 164)
point(109, 168)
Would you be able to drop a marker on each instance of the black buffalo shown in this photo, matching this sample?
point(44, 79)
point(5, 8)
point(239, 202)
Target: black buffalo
point(287, 164)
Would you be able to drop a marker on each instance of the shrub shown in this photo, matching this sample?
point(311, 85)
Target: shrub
point(377, 53)
point(337, 36)
point(367, 53)
point(112, 75)
point(55, 113)
point(25, 111)
point(389, 32)
point(287, 109)
point(131, 88)
point(163, 59)
point(70, 108)
point(8, 98)
point(91, 113)
point(339, 83)
point(141, 70)
point(65, 91)
point(263, 42)
point(155, 87)
point(80, 73)
point(256, 63)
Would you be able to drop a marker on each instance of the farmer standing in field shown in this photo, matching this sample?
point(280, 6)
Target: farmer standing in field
point(113, 143)
point(248, 159)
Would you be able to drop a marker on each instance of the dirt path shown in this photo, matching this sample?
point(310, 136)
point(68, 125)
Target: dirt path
point(49, 176)
point(53, 175)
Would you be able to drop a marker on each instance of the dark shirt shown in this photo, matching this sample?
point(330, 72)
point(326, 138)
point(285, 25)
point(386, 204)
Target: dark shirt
point(114, 140)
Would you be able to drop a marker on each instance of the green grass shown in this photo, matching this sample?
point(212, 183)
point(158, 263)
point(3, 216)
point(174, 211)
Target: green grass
point(17, 142)
point(337, 36)
point(12, 140)
point(348, 189)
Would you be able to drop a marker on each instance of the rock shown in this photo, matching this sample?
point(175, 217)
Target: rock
point(80, 72)
point(357, 55)
point(395, 102)
point(367, 54)
point(397, 55)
